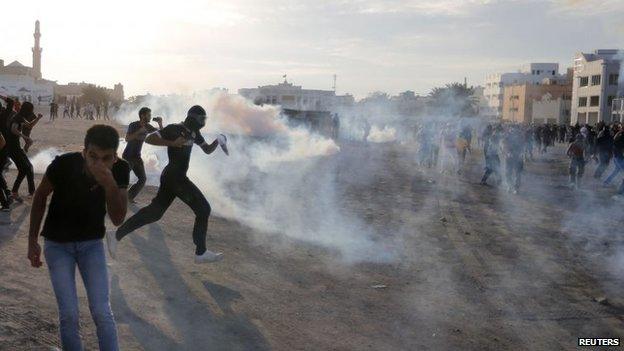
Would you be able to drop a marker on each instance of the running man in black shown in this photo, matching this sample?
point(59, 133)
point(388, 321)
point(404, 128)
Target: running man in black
point(24, 120)
point(135, 136)
point(179, 139)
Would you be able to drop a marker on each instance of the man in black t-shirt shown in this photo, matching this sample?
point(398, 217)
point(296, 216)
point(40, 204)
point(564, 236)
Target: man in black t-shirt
point(135, 136)
point(84, 187)
point(179, 139)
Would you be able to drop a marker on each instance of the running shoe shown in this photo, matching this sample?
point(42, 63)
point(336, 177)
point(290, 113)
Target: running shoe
point(208, 257)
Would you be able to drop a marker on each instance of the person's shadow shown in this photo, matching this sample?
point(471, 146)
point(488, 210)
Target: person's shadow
point(197, 326)
point(9, 228)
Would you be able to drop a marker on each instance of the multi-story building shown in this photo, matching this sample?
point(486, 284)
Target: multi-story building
point(617, 110)
point(595, 86)
point(518, 99)
point(531, 73)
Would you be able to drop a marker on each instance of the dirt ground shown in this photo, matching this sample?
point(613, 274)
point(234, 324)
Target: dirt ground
point(474, 268)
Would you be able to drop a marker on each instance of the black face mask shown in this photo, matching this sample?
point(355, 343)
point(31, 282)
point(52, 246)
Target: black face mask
point(193, 124)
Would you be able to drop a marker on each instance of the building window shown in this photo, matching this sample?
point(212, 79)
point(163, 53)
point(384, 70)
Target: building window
point(594, 101)
point(553, 73)
point(581, 118)
point(592, 118)
point(610, 100)
point(596, 79)
point(582, 102)
point(583, 81)
point(613, 79)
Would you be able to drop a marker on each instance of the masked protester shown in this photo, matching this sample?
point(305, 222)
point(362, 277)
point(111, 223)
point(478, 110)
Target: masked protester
point(179, 140)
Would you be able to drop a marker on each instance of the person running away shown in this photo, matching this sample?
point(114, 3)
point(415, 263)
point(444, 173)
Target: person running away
point(179, 140)
point(135, 136)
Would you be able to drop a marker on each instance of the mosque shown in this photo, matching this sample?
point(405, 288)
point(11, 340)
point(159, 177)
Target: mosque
point(27, 83)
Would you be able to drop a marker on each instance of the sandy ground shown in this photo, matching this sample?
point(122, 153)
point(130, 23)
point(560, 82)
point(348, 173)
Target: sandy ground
point(474, 269)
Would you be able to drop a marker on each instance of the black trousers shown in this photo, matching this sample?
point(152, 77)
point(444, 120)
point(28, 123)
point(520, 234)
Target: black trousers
point(604, 158)
point(172, 185)
point(24, 169)
point(136, 165)
point(4, 188)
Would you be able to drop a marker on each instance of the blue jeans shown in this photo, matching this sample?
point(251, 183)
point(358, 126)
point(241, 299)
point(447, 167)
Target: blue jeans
point(89, 256)
point(618, 162)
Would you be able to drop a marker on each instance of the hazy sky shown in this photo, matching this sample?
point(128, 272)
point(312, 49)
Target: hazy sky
point(187, 45)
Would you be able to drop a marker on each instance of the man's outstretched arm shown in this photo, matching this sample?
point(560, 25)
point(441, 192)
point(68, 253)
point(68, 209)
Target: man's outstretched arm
point(209, 148)
point(36, 215)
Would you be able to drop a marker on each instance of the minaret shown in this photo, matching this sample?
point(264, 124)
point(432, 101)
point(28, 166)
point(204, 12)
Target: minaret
point(37, 53)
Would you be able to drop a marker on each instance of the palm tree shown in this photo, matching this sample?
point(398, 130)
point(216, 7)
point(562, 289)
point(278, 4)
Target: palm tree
point(454, 99)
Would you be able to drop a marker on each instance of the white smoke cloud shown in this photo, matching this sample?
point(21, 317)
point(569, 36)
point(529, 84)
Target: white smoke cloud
point(277, 179)
point(377, 135)
point(41, 160)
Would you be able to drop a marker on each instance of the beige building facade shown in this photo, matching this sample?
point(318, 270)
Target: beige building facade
point(518, 99)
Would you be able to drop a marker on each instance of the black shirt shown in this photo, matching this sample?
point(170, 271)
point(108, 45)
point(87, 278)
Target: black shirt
point(179, 157)
point(133, 148)
point(5, 118)
point(13, 140)
point(78, 205)
point(618, 145)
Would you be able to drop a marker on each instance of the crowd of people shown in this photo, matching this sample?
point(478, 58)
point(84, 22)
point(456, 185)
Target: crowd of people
point(85, 186)
point(17, 121)
point(73, 108)
point(507, 147)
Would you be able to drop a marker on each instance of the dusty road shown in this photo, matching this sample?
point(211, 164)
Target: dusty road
point(472, 268)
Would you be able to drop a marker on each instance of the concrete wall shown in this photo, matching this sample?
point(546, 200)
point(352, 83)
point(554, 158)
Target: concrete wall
point(551, 110)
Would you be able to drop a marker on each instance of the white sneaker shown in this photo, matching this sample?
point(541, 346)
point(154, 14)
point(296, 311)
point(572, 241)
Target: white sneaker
point(111, 243)
point(208, 257)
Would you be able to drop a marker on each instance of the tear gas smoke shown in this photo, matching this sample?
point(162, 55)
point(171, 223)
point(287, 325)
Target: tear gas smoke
point(377, 135)
point(271, 181)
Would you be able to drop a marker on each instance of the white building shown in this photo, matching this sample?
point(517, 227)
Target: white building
point(293, 97)
point(532, 73)
point(25, 83)
point(549, 110)
point(617, 110)
point(595, 86)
